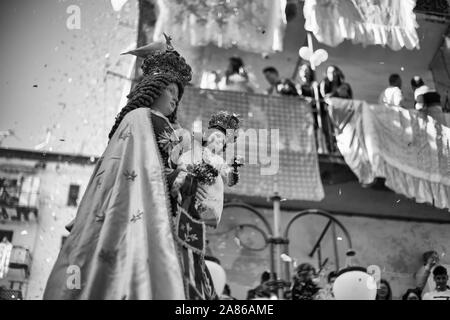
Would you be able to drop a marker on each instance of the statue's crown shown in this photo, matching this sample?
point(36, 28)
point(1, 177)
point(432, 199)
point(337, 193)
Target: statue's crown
point(224, 121)
point(166, 60)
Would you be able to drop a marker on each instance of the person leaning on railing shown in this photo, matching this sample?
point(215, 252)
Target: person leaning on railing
point(334, 85)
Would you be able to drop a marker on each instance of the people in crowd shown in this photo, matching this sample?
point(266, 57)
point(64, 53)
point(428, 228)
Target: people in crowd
point(392, 95)
point(304, 286)
point(416, 82)
point(442, 291)
point(262, 290)
point(278, 86)
point(430, 259)
point(307, 77)
point(384, 292)
point(226, 295)
point(327, 292)
point(236, 77)
point(412, 294)
point(334, 85)
point(418, 96)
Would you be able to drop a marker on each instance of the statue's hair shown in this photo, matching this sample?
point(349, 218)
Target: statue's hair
point(143, 96)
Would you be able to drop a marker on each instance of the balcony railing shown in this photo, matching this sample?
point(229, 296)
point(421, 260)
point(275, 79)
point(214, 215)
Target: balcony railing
point(20, 260)
point(19, 264)
point(18, 197)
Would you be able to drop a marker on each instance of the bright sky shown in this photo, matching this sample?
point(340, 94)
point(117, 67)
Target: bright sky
point(54, 78)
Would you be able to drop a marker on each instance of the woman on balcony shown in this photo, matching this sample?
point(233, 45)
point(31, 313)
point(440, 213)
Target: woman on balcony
point(128, 240)
point(236, 77)
point(334, 85)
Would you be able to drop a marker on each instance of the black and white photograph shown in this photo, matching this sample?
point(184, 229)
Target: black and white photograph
point(235, 152)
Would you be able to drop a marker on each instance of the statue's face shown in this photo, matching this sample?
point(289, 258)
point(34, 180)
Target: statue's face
point(216, 141)
point(168, 101)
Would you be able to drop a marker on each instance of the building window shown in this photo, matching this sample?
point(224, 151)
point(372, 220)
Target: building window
point(6, 233)
point(74, 191)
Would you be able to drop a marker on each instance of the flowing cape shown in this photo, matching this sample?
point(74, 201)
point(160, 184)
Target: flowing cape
point(122, 243)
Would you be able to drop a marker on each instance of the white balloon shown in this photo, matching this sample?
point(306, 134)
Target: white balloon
point(218, 276)
point(305, 53)
point(354, 285)
point(322, 55)
point(118, 4)
point(315, 60)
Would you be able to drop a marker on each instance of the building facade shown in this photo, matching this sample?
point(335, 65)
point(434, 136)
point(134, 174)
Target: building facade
point(40, 195)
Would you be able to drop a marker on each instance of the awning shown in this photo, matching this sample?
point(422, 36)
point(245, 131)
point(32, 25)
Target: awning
point(389, 23)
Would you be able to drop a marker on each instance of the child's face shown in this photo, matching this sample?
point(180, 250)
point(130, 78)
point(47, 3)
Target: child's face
point(441, 281)
point(216, 141)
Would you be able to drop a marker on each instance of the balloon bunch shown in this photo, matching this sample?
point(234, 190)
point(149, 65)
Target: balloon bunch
point(316, 58)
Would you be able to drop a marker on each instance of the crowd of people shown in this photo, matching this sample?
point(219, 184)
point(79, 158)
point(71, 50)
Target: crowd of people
point(426, 100)
point(431, 283)
point(333, 85)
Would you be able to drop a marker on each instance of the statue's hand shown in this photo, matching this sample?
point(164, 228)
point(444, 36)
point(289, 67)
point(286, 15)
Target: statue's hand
point(233, 178)
point(201, 194)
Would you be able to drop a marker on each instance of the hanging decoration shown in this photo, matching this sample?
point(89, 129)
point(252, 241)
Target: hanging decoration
point(251, 25)
point(389, 23)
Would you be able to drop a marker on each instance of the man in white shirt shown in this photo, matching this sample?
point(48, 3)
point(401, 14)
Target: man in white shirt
point(393, 96)
point(442, 291)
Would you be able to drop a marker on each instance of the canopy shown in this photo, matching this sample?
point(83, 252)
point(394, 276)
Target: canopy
point(389, 23)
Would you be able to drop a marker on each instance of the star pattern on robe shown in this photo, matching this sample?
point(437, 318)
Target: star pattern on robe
point(108, 256)
point(125, 135)
point(100, 217)
point(137, 216)
point(130, 176)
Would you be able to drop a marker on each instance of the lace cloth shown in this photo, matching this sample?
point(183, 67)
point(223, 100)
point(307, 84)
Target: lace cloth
point(389, 23)
point(409, 149)
point(252, 25)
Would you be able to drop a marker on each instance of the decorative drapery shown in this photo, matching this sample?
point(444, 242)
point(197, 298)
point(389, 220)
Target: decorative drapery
point(409, 149)
point(389, 23)
point(251, 25)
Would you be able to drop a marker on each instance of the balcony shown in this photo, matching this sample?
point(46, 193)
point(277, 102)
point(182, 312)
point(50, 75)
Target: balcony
point(19, 266)
point(20, 262)
point(19, 191)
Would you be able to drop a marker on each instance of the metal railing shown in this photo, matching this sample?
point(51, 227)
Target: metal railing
point(20, 259)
